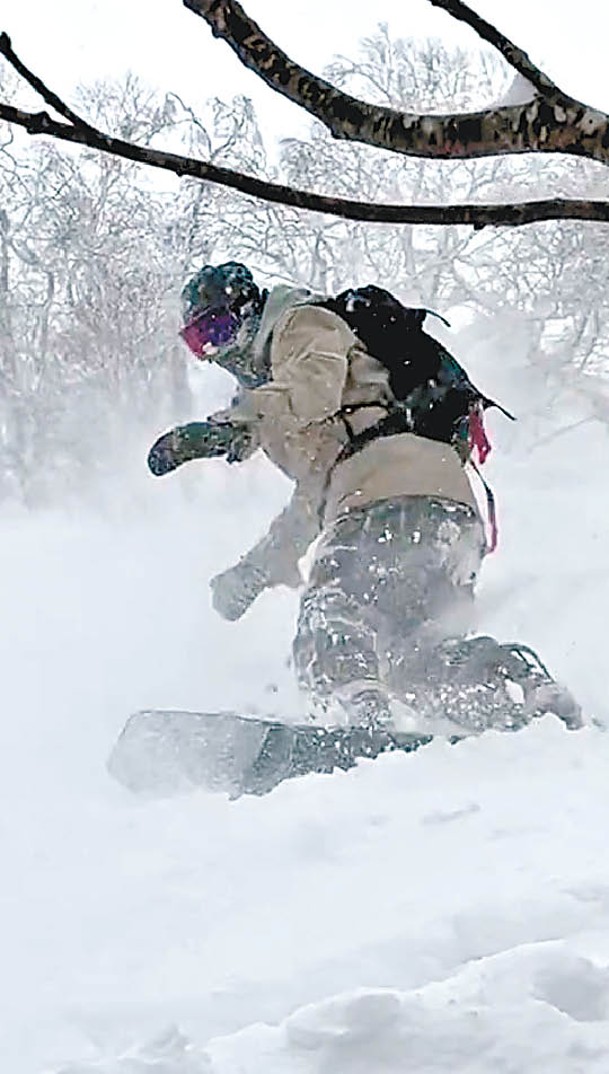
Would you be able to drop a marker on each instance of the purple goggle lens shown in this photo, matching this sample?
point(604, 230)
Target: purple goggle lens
point(211, 329)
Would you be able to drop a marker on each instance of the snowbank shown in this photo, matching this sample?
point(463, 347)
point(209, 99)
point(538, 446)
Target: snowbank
point(442, 911)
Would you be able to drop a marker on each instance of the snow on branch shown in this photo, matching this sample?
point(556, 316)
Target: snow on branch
point(510, 52)
point(550, 122)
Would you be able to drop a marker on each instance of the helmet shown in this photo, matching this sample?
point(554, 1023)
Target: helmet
point(215, 303)
point(230, 285)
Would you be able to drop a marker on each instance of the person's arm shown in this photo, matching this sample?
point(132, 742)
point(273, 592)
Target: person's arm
point(309, 359)
point(226, 434)
point(273, 561)
point(309, 362)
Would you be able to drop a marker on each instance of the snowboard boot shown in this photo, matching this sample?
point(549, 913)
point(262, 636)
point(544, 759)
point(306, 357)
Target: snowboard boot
point(503, 686)
point(542, 695)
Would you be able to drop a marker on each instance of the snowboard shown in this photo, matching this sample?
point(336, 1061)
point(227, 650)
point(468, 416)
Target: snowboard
point(165, 752)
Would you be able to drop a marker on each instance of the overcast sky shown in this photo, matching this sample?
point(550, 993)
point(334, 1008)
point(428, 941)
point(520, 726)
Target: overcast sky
point(67, 41)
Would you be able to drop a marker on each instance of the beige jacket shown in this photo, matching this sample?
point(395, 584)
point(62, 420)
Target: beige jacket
point(319, 367)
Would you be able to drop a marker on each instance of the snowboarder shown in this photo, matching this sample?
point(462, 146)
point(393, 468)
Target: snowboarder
point(374, 422)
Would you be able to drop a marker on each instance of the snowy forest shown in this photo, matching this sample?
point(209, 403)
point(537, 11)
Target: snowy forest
point(94, 251)
point(440, 911)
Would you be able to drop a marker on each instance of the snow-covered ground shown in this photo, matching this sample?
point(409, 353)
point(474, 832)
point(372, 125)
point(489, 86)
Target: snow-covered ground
point(444, 911)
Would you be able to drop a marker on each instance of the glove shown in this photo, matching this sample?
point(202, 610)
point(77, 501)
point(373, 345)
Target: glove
point(199, 440)
point(236, 589)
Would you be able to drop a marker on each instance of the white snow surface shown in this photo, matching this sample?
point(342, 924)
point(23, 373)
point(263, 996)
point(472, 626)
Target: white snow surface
point(441, 911)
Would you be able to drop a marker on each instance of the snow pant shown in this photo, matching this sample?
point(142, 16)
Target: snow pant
point(386, 612)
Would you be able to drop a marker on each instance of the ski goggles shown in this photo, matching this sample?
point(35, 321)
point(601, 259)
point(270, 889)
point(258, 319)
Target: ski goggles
point(209, 331)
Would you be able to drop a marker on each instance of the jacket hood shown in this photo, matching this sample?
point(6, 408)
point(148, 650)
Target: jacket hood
point(281, 299)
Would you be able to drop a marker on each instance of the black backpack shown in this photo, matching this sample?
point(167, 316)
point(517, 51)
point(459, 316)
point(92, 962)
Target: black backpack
point(436, 395)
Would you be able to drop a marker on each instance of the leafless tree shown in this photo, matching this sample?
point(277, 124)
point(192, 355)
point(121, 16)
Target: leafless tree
point(547, 121)
point(92, 257)
point(553, 276)
point(87, 296)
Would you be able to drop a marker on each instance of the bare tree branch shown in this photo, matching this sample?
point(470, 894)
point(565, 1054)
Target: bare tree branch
point(551, 122)
point(270, 61)
point(474, 215)
point(510, 52)
point(6, 49)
